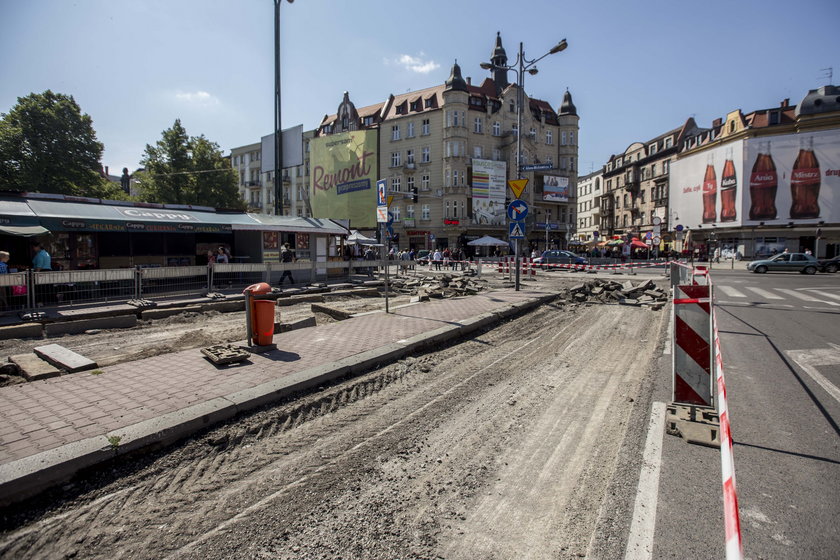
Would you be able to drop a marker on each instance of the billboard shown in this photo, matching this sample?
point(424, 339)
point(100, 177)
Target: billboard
point(292, 139)
point(773, 180)
point(344, 172)
point(555, 188)
point(488, 192)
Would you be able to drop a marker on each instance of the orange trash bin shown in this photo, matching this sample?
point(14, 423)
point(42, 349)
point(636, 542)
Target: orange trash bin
point(262, 325)
point(262, 314)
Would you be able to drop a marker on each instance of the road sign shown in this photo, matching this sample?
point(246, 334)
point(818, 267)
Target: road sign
point(657, 239)
point(382, 214)
point(516, 230)
point(595, 234)
point(517, 186)
point(648, 235)
point(537, 167)
point(666, 237)
point(390, 200)
point(381, 199)
point(517, 210)
point(679, 227)
point(657, 220)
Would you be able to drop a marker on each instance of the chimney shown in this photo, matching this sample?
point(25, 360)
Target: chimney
point(469, 81)
point(785, 103)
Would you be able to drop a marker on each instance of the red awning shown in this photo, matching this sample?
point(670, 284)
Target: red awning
point(636, 244)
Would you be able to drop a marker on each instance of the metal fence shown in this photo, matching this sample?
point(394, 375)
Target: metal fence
point(24, 291)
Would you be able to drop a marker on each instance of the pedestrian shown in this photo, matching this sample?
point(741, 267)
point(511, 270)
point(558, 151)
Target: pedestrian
point(447, 258)
point(4, 269)
point(437, 258)
point(222, 255)
point(211, 258)
point(411, 254)
point(808, 252)
point(404, 261)
point(370, 255)
point(41, 260)
point(287, 256)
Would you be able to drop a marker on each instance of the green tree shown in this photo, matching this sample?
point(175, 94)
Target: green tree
point(48, 145)
point(180, 169)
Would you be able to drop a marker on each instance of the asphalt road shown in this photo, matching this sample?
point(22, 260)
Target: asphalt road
point(780, 337)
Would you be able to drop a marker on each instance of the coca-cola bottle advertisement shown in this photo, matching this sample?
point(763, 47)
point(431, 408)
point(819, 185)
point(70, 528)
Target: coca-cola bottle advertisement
point(728, 189)
point(764, 183)
point(710, 191)
point(805, 182)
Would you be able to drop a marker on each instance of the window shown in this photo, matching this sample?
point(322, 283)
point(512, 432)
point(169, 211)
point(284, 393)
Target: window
point(665, 166)
point(424, 182)
point(409, 212)
point(395, 132)
point(425, 213)
point(396, 184)
point(415, 105)
point(447, 178)
point(424, 127)
point(455, 177)
point(368, 121)
point(477, 151)
point(409, 157)
point(563, 138)
point(652, 148)
point(550, 161)
point(641, 196)
point(549, 137)
point(395, 210)
point(409, 183)
point(478, 125)
point(455, 118)
point(571, 164)
point(653, 170)
point(497, 128)
point(572, 138)
point(497, 154)
point(668, 142)
point(533, 133)
point(512, 107)
point(430, 102)
point(410, 133)
point(515, 129)
point(455, 148)
point(563, 163)
point(446, 209)
point(396, 159)
point(425, 155)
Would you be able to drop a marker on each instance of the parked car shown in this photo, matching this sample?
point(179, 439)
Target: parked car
point(829, 265)
point(423, 256)
point(792, 262)
point(556, 256)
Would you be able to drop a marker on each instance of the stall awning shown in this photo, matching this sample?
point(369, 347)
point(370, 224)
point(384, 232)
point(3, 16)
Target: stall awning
point(268, 222)
point(23, 231)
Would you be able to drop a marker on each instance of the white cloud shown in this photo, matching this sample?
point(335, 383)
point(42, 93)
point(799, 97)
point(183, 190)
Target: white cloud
point(199, 98)
point(416, 63)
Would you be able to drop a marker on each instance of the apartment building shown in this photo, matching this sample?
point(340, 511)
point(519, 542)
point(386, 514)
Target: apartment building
point(589, 206)
point(438, 146)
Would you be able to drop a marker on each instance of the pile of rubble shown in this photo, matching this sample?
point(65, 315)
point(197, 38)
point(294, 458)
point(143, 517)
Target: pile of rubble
point(645, 294)
point(444, 286)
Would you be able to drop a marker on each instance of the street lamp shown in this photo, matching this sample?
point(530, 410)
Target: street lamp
point(521, 66)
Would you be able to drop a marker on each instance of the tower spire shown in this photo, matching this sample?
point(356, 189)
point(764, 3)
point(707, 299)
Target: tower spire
point(499, 59)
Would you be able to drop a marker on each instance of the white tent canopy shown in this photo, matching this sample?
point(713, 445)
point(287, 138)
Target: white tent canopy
point(488, 241)
point(358, 238)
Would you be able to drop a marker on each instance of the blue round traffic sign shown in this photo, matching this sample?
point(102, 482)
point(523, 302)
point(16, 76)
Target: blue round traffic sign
point(517, 210)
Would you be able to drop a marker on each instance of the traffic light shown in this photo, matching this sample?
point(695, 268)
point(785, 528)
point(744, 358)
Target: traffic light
point(414, 196)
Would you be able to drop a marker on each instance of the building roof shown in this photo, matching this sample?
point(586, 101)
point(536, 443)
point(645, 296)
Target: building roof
point(825, 99)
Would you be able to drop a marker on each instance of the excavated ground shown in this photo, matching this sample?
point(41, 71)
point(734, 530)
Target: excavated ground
point(519, 442)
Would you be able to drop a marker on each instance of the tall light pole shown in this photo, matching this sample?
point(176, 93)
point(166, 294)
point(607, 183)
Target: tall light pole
point(278, 135)
point(520, 67)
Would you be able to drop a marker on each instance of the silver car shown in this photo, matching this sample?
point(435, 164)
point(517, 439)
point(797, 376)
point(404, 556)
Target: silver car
point(792, 262)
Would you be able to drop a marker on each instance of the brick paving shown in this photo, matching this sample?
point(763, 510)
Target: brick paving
point(45, 415)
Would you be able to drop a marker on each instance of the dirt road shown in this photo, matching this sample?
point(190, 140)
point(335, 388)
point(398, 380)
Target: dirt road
point(521, 442)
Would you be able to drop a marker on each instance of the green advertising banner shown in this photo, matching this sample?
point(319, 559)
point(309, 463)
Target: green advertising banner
point(344, 170)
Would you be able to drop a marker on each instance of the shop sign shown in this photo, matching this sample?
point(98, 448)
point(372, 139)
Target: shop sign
point(449, 222)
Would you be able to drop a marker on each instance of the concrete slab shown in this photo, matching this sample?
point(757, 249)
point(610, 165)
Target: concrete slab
point(152, 314)
point(34, 368)
point(64, 358)
point(78, 327)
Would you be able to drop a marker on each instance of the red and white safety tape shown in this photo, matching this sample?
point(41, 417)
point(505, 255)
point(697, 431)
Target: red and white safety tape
point(731, 514)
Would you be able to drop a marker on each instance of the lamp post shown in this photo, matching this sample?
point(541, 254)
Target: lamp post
point(520, 67)
point(278, 136)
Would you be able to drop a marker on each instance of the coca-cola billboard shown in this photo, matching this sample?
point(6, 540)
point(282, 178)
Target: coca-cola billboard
point(771, 179)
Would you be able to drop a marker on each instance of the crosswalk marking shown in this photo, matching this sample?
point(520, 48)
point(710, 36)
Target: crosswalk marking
point(804, 297)
point(825, 294)
point(731, 292)
point(764, 293)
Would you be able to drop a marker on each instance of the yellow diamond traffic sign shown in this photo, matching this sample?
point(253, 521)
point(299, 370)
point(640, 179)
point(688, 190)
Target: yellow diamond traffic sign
point(517, 186)
point(390, 200)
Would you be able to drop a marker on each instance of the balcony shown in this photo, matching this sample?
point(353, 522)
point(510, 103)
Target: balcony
point(410, 166)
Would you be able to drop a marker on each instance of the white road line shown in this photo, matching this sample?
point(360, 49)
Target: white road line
point(643, 526)
point(730, 291)
point(806, 297)
point(764, 293)
point(809, 359)
point(824, 294)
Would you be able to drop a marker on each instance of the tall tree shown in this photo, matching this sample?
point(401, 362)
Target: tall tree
point(180, 169)
point(48, 145)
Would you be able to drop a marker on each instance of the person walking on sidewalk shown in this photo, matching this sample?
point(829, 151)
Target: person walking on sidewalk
point(437, 258)
point(287, 256)
point(370, 255)
point(41, 260)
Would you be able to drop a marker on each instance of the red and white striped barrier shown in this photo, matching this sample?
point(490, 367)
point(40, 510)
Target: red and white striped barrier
point(692, 352)
point(731, 513)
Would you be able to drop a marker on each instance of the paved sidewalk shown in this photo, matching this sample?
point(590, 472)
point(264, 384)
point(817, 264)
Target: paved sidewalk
point(50, 429)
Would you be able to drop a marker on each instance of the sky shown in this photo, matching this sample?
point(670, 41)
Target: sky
point(635, 69)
